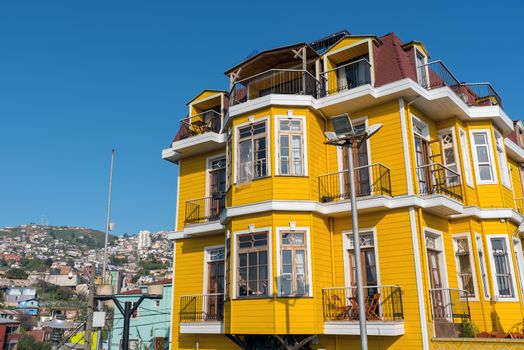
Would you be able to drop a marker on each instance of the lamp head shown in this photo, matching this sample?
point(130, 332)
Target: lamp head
point(373, 129)
point(342, 125)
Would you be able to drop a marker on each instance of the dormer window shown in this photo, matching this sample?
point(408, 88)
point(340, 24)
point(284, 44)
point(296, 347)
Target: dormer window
point(422, 73)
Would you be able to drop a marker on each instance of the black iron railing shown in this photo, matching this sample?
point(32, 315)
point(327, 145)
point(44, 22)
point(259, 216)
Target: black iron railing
point(435, 75)
point(346, 77)
point(383, 303)
point(201, 308)
point(435, 178)
point(274, 81)
point(208, 121)
point(204, 209)
point(449, 304)
point(370, 180)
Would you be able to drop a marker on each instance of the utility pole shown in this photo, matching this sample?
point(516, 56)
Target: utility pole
point(90, 309)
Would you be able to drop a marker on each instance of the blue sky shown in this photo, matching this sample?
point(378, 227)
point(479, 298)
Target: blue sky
point(80, 77)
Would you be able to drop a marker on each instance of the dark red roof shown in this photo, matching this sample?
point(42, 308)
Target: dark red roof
point(164, 281)
point(392, 62)
point(132, 291)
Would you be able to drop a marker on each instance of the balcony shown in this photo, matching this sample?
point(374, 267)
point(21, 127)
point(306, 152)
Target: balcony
point(435, 178)
point(449, 307)
point(346, 77)
point(435, 75)
point(202, 313)
point(208, 121)
point(371, 180)
point(204, 210)
point(274, 81)
point(384, 310)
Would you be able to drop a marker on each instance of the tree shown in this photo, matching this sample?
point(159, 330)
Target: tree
point(16, 273)
point(28, 342)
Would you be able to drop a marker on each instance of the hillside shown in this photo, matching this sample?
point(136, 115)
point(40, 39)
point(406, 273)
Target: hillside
point(79, 237)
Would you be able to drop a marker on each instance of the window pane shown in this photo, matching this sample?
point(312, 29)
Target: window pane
point(482, 152)
point(480, 138)
point(284, 125)
point(485, 172)
point(245, 161)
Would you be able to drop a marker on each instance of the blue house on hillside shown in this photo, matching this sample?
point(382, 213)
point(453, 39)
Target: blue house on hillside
point(29, 306)
point(150, 325)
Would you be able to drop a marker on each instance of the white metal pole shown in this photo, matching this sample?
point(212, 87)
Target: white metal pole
point(108, 218)
point(104, 262)
point(356, 249)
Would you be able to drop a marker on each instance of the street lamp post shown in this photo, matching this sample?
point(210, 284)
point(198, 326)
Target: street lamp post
point(346, 136)
point(58, 325)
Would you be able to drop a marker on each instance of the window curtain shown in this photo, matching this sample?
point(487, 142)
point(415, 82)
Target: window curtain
point(297, 155)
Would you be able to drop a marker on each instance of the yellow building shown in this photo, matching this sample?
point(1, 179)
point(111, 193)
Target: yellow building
point(263, 248)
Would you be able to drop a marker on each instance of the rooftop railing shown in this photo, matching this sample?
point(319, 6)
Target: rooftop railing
point(383, 303)
point(274, 81)
point(346, 77)
point(204, 209)
point(435, 75)
point(201, 308)
point(370, 180)
point(435, 178)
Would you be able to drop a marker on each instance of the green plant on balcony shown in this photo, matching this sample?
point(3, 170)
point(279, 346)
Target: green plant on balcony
point(467, 329)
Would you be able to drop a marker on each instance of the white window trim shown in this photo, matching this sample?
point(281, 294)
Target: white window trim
point(417, 120)
point(276, 128)
point(466, 159)
point(358, 121)
point(490, 155)
point(455, 147)
point(235, 146)
point(209, 160)
point(279, 230)
point(443, 261)
point(471, 262)
point(484, 262)
point(503, 158)
point(417, 50)
point(346, 247)
point(517, 249)
point(493, 270)
point(234, 243)
point(206, 260)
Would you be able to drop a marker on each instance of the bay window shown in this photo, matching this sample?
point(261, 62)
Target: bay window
point(482, 264)
point(503, 162)
point(252, 149)
point(291, 146)
point(252, 258)
point(464, 264)
point(465, 157)
point(483, 157)
point(502, 271)
point(293, 264)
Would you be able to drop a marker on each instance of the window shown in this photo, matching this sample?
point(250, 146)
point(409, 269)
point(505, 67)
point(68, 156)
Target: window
point(465, 157)
point(252, 147)
point(502, 268)
point(503, 162)
point(421, 68)
point(464, 263)
point(517, 248)
point(482, 264)
point(483, 157)
point(252, 251)
point(449, 157)
point(293, 261)
point(291, 147)
point(367, 258)
point(227, 262)
point(229, 159)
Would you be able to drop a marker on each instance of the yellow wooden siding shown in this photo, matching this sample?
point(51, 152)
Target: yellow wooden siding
point(193, 181)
